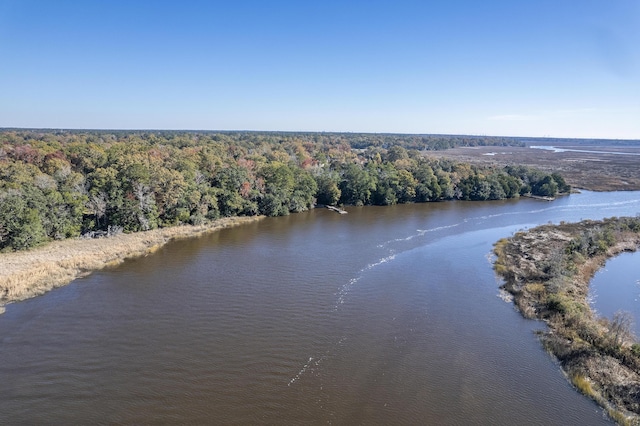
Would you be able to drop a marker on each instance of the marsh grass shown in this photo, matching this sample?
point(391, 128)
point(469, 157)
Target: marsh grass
point(583, 384)
point(611, 173)
point(31, 273)
point(621, 418)
point(548, 270)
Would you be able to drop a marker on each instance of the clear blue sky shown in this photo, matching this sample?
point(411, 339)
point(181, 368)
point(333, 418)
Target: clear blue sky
point(561, 68)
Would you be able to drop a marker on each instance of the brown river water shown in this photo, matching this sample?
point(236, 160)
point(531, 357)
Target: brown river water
point(386, 315)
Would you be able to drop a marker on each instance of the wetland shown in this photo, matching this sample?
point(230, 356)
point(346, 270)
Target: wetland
point(384, 315)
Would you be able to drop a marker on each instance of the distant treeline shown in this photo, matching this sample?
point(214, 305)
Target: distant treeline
point(61, 184)
point(248, 138)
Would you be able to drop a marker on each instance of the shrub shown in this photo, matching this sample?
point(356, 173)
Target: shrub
point(583, 384)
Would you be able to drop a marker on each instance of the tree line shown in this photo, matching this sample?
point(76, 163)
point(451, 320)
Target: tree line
point(62, 184)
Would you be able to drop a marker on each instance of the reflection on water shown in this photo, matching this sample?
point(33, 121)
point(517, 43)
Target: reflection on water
point(387, 315)
point(617, 287)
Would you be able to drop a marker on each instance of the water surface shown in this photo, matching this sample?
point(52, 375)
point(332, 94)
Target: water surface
point(387, 315)
point(586, 151)
point(617, 287)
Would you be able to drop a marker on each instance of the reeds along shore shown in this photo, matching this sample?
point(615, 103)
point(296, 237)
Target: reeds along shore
point(31, 273)
point(548, 269)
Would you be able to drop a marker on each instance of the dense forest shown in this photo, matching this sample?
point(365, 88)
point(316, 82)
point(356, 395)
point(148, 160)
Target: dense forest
point(62, 184)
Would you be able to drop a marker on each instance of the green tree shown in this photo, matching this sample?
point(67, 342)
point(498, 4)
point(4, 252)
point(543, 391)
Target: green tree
point(304, 191)
point(563, 186)
point(407, 184)
point(328, 192)
point(356, 185)
point(21, 225)
point(546, 187)
point(387, 182)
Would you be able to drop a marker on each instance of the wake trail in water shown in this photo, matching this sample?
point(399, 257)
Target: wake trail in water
point(562, 208)
point(423, 232)
point(420, 233)
point(313, 363)
point(301, 372)
point(345, 289)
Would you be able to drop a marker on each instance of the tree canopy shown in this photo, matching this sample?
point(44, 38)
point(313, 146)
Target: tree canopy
point(61, 184)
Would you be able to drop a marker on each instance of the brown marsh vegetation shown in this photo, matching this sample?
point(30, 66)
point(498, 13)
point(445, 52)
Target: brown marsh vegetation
point(601, 171)
point(547, 270)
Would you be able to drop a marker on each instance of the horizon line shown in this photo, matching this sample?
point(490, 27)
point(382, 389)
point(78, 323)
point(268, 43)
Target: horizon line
point(81, 129)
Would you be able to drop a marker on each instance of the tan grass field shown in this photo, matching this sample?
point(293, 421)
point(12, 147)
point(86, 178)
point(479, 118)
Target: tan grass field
point(599, 170)
point(31, 273)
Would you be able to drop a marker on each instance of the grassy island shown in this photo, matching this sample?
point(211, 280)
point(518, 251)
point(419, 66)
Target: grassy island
point(548, 270)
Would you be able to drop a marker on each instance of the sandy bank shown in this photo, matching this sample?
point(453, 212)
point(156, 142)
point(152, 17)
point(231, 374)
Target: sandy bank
point(31, 273)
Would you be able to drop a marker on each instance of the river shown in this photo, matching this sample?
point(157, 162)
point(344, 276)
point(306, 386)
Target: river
point(386, 315)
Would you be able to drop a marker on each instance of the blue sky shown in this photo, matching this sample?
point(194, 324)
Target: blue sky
point(559, 68)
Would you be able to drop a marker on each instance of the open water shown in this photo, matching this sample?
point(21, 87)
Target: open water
point(386, 315)
point(616, 287)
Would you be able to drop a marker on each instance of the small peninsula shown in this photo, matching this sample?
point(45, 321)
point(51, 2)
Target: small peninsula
point(547, 270)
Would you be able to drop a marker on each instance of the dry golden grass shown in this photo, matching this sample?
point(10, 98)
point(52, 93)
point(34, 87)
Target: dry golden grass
point(30, 273)
point(583, 384)
point(620, 418)
point(536, 288)
point(596, 172)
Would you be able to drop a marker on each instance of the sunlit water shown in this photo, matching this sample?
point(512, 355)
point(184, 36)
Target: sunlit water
point(387, 315)
point(585, 151)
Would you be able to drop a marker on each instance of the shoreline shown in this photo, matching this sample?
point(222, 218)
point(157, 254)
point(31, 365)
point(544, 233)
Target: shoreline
point(31, 273)
point(548, 271)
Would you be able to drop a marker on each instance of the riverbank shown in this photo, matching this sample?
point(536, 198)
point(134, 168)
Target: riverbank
point(27, 274)
point(547, 270)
